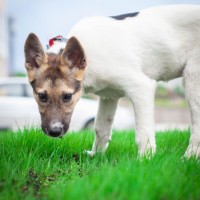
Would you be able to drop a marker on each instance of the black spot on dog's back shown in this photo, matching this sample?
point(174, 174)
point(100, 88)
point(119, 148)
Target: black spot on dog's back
point(124, 16)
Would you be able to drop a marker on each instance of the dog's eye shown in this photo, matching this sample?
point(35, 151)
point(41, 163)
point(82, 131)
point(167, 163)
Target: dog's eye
point(67, 97)
point(43, 97)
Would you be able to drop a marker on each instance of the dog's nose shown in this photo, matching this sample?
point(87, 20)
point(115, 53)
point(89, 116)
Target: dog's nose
point(55, 132)
point(56, 129)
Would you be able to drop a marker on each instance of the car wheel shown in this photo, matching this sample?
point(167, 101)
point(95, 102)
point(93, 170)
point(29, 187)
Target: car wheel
point(89, 124)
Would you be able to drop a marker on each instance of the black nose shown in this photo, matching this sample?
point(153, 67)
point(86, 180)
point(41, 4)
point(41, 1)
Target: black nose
point(55, 132)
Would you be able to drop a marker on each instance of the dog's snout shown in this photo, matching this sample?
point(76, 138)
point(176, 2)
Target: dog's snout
point(56, 129)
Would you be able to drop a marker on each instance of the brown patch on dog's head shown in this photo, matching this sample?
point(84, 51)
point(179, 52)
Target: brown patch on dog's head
point(56, 80)
point(54, 60)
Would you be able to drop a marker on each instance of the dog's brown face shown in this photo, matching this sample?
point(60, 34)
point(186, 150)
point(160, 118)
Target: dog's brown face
point(56, 80)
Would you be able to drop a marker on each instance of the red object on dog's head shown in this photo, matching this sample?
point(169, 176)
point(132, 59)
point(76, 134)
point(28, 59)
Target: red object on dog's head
point(51, 42)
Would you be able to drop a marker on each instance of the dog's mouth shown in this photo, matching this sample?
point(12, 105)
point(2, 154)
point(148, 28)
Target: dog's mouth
point(56, 126)
point(56, 131)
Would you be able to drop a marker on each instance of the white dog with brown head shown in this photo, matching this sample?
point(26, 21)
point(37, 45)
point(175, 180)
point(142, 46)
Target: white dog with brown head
point(114, 57)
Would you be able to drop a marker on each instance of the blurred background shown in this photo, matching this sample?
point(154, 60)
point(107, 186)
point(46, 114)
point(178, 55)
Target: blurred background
point(48, 19)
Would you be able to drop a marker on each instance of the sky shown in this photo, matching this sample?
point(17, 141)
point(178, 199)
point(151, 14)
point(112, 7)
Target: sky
point(49, 18)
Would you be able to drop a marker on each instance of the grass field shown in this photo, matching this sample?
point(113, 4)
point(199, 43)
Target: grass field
point(34, 166)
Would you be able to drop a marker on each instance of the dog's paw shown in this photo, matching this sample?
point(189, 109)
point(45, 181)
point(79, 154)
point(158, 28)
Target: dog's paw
point(192, 151)
point(147, 155)
point(89, 153)
point(147, 152)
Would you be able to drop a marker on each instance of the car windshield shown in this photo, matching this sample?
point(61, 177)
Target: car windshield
point(11, 90)
point(16, 90)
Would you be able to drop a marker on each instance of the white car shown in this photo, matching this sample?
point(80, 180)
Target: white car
point(18, 109)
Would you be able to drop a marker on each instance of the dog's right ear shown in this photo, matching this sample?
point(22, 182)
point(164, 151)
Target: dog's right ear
point(74, 57)
point(34, 55)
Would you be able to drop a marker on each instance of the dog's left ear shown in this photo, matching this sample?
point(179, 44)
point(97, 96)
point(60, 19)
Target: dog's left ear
point(34, 56)
point(73, 56)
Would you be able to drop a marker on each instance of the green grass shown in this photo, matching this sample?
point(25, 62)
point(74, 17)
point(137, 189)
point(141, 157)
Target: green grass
point(34, 166)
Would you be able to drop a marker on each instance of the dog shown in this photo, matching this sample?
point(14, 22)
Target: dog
point(119, 56)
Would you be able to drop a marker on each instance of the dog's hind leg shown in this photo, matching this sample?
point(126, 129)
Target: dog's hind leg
point(103, 125)
point(192, 93)
point(142, 96)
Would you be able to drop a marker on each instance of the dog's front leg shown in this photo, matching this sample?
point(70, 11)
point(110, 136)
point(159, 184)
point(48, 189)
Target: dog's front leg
point(142, 97)
point(103, 125)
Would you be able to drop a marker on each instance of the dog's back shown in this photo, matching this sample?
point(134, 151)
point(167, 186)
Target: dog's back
point(152, 41)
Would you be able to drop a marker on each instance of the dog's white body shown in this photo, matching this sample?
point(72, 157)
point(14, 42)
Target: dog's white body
point(126, 58)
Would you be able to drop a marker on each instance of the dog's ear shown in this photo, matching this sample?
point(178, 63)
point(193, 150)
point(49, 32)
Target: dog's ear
point(34, 55)
point(73, 56)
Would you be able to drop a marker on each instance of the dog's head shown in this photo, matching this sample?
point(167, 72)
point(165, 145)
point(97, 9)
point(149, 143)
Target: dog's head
point(56, 80)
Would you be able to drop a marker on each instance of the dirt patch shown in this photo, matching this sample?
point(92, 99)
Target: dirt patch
point(35, 182)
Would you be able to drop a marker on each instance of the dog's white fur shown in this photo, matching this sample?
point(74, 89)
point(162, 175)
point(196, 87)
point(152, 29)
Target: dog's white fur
point(127, 57)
